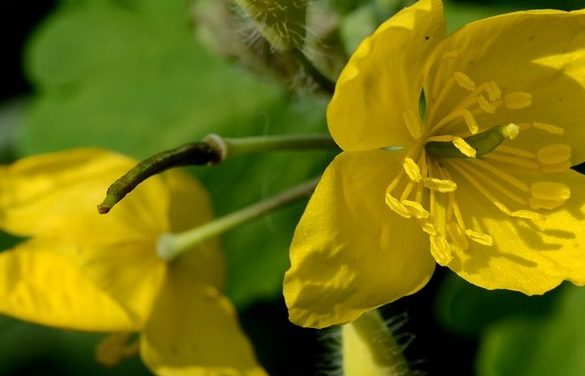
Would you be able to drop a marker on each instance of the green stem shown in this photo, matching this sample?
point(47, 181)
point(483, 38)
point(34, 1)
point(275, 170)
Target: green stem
point(170, 246)
point(212, 150)
point(231, 147)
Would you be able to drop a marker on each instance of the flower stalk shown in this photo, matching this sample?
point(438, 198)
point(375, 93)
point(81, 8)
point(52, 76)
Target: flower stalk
point(211, 150)
point(170, 246)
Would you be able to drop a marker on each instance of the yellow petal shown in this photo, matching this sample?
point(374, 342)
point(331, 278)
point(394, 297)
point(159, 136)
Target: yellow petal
point(40, 283)
point(350, 252)
point(536, 54)
point(55, 195)
point(528, 256)
point(190, 207)
point(130, 272)
point(193, 331)
point(383, 80)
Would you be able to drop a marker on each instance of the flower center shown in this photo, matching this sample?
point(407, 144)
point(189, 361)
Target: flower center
point(453, 151)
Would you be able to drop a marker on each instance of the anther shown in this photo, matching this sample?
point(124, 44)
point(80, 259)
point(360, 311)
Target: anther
point(554, 154)
point(552, 129)
point(485, 105)
point(464, 147)
point(440, 185)
point(493, 91)
point(464, 81)
point(536, 203)
point(412, 124)
point(554, 168)
point(483, 142)
point(524, 214)
point(548, 190)
point(479, 237)
point(428, 227)
point(440, 249)
point(397, 206)
point(411, 169)
point(416, 209)
point(518, 100)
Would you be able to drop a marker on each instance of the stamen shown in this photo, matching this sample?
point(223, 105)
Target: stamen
point(491, 198)
point(478, 237)
point(439, 185)
point(439, 76)
point(412, 169)
point(514, 161)
point(464, 81)
point(548, 190)
point(493, 91)
point(536, 203)
point(440, 249)
point(554, 154)
point(407, 191)
point(416, 209)
point(470, 121)
point(524, 214)
point(397, 206)
point(441, 138)
point(518, 100)
point(497, 186)
point(553, 129)
point(457, 235)
point(486, 106)
point(554, 168)
point(502, 175)
point(394, 183)
point(412, 124)
point(428, 227)
point(464, 147)
point(517, 152)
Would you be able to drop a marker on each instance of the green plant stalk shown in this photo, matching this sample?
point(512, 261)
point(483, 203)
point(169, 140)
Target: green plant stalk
point(212, 150)
point(170, 246)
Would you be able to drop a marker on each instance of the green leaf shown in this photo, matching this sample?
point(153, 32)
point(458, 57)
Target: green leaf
point(467, 309)
point(550, 345)
point(29, 349)
point(128, 76)
point(121, 78)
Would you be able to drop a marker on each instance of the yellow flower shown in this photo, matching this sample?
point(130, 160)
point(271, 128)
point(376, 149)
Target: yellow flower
point(482, 181)
point(82, 271)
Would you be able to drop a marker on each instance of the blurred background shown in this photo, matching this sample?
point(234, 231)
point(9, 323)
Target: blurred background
point(141, 76)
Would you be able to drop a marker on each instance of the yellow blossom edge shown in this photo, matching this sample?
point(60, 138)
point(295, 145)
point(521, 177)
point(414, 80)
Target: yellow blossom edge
point(42, 284)
point(193, 331)
point(350, 253)
point(540, 52)
point(43, 195)
point(532, 256)
point(365, 113)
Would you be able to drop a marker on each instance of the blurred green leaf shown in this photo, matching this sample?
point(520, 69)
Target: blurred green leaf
point(120, 77)
point(468, 310)
point(258, 252)
point(128, 76)
point(550, 345)
point(29, 349)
